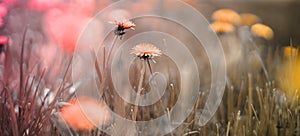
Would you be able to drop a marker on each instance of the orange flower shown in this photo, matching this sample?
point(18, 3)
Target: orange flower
point(226, 15)
point(290, 52)
point(248, 19)
point(145, 51)
point(263, 31)
point(222, 27)
point(85, 113)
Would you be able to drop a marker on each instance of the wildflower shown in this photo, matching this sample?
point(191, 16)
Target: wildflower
point(3, 42)
point(122, 26)
point(290, 52)
point(222, 27)
point(290, 79)
point(85, 113)
point(145, 51)
point(263, 31)
point(226, 15)
point(248, 19)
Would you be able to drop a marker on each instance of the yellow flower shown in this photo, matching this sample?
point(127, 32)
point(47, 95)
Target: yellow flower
point(290, 52)
point(146, 51)
point(262, 31)
point(222, 27)
point(289, 79)
point(248, 19)
point(226, 15)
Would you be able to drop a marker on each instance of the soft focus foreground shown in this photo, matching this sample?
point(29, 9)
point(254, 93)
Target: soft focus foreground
point(62, 74)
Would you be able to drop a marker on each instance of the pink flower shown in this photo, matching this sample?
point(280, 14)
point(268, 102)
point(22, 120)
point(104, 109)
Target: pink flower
point(4, 40)
point(43, 5)
point(65, 28)
point(3, 10)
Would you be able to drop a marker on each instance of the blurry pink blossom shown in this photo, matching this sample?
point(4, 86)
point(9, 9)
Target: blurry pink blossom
point(65, 28)
point(82, 7)
point(43, 5)
point(3, 10)
point(5, 40)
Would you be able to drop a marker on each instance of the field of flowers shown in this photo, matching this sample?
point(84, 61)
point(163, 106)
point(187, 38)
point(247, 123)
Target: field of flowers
point(149, 67)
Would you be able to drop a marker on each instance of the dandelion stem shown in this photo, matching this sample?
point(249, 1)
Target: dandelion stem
point(140, 88)
point(149, 65)
point(250, 101)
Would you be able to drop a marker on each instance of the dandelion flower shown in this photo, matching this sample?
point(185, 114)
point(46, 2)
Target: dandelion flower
point(263, 31)
point(222, 27)
point(146, 51)
point(122, 26)
point(226, 15)
point(85, 113)
point(248, 19)
point(290, 52)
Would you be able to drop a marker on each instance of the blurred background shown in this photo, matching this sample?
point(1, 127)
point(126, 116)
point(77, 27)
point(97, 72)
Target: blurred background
point(281, 15)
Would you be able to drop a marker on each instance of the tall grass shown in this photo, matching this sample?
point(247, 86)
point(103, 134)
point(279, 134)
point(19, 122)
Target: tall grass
point(26, 108)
